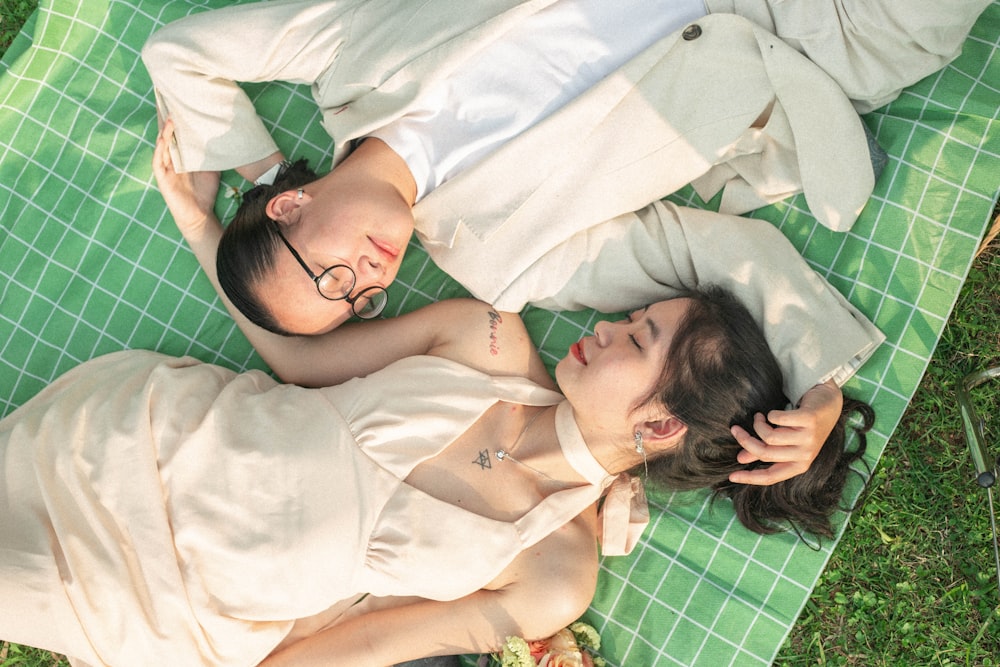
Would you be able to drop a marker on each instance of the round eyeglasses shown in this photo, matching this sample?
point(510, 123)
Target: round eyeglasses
point(336, 283)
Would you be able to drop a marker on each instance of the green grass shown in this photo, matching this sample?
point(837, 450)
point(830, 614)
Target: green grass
point(13, 14)
point(912, 582)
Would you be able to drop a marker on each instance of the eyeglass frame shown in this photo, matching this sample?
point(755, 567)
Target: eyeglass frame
point(317, 278)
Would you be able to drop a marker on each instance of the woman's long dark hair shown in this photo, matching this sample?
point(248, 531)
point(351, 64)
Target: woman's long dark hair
point(720, 372)
point(248, 245)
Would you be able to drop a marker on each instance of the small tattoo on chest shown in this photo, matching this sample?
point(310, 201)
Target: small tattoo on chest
point(495, 321)
point(483, 461)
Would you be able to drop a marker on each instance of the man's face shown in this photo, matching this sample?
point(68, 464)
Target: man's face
point(365, 234)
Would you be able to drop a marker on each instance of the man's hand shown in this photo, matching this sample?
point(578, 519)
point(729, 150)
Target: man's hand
point(189, 196)
point(789, 439)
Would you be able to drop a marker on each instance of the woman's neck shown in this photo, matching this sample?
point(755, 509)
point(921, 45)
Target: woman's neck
point(613, 450)
point(536, 447)
point(539, 447)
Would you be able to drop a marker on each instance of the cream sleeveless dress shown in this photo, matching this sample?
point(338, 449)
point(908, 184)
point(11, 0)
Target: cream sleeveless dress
point(159, 509)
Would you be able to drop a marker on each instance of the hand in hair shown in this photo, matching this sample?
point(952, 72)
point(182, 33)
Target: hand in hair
point(807, 503)
point(789, 439)
point(189, 196)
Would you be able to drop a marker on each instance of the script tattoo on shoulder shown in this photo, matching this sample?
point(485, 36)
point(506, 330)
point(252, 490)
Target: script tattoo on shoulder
point(495, 321)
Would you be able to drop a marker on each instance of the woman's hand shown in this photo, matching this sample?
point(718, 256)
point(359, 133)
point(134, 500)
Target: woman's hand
point(789, 439)
point(189, 196)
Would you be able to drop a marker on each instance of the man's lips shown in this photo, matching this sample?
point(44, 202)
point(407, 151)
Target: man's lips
point(386, 249)
point(576, 349)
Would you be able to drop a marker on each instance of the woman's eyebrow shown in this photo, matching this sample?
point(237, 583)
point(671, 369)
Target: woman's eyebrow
point(654, 330)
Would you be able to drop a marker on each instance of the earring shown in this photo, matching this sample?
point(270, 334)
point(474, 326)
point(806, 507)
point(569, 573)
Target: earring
point(640, 449)
point(301, 192)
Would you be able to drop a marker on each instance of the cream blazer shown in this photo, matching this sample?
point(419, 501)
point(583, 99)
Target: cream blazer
point(872, 48)
point(562, 215)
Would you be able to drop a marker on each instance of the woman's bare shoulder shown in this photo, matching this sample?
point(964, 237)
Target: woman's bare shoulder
point(477, 335)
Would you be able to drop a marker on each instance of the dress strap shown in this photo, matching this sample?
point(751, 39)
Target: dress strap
point(575, 448)
point(624, 515)
point(514, 389)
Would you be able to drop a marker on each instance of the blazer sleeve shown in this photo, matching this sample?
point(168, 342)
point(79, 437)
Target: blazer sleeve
point(872, 48)
point(196, 62)
point(652, 254)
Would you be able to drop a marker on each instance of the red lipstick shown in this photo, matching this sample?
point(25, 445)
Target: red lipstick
point(576, 349)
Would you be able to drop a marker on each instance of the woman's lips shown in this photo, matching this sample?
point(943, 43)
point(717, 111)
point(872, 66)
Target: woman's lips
point(576, 349)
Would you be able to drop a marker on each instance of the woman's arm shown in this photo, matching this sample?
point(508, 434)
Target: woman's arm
point(463, 330)
point(546, 588)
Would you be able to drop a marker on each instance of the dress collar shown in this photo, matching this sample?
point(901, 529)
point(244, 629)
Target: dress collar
point(575, 448)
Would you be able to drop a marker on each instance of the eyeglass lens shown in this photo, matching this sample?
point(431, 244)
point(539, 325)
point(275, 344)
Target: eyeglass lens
point(336, 282)
point(369, 302)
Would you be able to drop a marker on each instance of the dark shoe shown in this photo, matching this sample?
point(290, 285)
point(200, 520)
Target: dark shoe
point(878, 155)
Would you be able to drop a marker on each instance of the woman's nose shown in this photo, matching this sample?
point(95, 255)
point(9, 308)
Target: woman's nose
point(603, 332)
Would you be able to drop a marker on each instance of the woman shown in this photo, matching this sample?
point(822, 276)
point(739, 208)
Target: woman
point(155, 506)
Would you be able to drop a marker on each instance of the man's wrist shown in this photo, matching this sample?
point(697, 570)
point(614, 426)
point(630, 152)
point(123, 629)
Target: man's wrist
point(252, 171)
point(272, 174)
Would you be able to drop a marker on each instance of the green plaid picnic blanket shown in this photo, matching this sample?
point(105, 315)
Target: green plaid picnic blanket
point(90, 263)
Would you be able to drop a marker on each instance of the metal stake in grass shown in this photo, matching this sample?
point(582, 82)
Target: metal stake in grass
point(986, 473)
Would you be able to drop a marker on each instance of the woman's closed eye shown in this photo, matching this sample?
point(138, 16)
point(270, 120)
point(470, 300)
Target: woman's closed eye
point(631, 337)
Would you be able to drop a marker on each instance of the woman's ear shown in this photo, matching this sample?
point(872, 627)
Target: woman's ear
point(666, 431)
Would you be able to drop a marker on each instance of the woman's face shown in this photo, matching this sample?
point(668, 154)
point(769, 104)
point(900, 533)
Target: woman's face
point(368, 233)
point(607, 375)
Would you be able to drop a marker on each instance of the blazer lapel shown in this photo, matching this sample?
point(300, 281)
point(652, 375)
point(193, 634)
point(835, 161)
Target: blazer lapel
point(536, 162)
point(659, 122)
